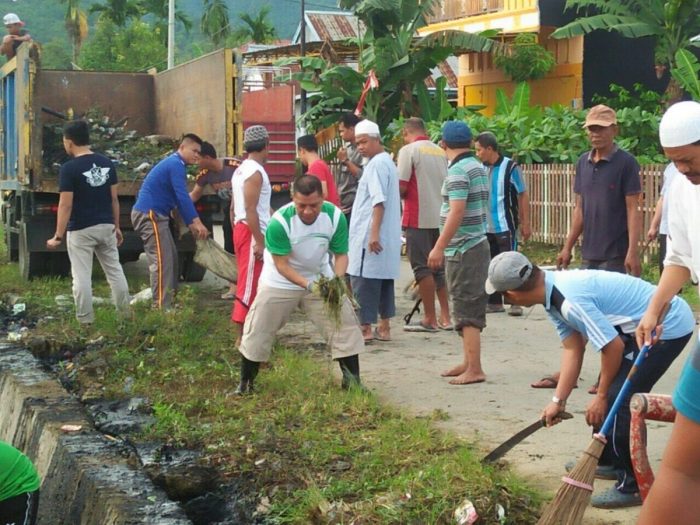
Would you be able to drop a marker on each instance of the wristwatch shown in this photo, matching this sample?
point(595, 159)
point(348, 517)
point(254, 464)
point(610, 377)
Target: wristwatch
point(558, 401)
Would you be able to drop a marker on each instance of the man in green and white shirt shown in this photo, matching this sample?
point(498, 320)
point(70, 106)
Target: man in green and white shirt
point(299, 241)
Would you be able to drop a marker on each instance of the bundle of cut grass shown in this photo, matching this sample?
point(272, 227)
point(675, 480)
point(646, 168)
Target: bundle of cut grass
point(333, 293)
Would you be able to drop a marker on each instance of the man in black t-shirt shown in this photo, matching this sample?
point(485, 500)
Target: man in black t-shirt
point(15, 35)
point(88, 209)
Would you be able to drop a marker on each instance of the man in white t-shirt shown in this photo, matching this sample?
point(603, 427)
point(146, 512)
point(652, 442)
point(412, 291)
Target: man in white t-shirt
point(659, 223)
point(250, 209)
point(299, 241)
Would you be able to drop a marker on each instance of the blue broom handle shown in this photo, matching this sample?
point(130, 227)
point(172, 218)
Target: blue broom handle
point(610, 418)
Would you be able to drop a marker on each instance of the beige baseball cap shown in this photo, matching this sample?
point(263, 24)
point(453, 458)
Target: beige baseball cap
point(600, 115)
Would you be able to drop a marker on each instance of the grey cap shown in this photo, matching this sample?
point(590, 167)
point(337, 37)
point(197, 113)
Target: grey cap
point(507, 271)
point(255, 135)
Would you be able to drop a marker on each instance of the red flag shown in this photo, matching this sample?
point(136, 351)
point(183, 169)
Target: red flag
point(370, 83)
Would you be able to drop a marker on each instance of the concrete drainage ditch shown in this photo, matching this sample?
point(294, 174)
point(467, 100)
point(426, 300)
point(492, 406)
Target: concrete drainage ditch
point(92, 472)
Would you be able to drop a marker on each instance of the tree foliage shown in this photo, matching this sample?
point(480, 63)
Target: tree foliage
point(76, 23)
point(159, 10)
point(215, 21)
point(686, 72)
point(119, 12)
point(134, 48)
point(528, 60)
point(258, 28)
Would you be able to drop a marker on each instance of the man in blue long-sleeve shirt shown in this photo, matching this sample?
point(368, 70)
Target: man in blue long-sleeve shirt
point(163, 190)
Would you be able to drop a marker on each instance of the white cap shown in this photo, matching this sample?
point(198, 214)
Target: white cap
point(11, 18)
point(680, 125)
point(367, 127)
point(507, 271)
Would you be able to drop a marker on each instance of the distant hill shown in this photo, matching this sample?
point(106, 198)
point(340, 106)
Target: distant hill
point(44, 18)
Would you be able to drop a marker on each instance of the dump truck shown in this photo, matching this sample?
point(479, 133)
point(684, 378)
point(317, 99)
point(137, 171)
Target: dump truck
point(202, 96)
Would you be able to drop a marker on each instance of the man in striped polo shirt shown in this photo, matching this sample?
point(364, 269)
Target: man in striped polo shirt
point(299, 240)
point(509, 206)
point(463, 249)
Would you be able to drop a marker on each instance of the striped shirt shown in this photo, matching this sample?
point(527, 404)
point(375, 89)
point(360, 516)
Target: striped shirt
point(505, 184)
point(466, 180)
point(600, 305)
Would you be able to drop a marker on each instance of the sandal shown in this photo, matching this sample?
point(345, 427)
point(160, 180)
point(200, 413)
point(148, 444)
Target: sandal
point(614, 499)
point(379, 337)
point(545, 382)
point(445, 327)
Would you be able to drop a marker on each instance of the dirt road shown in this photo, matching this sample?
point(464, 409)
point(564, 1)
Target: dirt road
point(406, 373)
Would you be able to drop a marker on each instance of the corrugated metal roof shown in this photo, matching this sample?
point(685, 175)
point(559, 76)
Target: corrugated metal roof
point(334, 26)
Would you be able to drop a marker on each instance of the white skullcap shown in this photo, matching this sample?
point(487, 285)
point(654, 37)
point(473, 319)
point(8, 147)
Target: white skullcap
point(680, 125)
point(367, 127)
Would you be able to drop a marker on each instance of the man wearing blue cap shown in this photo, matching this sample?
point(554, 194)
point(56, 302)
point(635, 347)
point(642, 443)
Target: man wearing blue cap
point(463, 249)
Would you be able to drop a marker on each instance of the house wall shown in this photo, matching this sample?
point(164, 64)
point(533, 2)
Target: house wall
point(479, 78)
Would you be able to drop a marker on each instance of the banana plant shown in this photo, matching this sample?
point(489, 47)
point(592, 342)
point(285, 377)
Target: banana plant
point(686, 72)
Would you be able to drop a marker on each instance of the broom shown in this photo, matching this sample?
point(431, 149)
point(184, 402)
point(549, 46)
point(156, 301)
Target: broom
point(573, 496)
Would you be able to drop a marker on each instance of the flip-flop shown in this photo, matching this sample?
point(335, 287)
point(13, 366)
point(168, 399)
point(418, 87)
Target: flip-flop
point(545, 382)
point(369, 340)
point(418, 326)
point(380, 337)
point(446, 327)
point(451, 382)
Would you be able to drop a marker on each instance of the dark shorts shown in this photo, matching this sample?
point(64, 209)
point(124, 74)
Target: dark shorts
point(375, 297)
point(611, 265)
point(466, 276)
point(419, 242)
point(20, 510)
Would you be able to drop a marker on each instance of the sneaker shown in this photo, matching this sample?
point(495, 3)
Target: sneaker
point(494, 308)
point(601, 471)
point(614, 499)
point(244, 388)
point(515, 310)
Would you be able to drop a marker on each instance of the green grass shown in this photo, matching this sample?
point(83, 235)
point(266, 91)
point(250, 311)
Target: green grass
point(318, 453)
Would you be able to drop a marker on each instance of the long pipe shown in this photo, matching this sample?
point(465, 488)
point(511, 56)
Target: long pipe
point(171, 33)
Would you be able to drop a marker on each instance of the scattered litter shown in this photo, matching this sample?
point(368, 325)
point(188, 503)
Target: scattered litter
point(19, 308)
point(100, 300)
point(500, 514)
point(71, 428)
point(144, 295)
point(259, 462)
point(63, 300)
point(214, 258)
point(128, 384)
point(14, 336)
point(466, 514)
point(264, 506)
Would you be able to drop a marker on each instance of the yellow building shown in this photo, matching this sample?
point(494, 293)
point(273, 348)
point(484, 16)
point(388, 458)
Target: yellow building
point(478, 76)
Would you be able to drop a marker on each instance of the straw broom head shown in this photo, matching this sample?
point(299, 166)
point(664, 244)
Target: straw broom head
point(574, 494)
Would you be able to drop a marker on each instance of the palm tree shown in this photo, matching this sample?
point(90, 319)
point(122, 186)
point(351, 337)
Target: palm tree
point(118, 11)
point(76, 25)
point(159, 10)
point(215, 21)
point(671, 23)
point(259, 29)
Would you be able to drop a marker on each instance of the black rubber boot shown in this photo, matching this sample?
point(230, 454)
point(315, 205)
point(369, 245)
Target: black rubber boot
point(249, 370)
point(350, 367)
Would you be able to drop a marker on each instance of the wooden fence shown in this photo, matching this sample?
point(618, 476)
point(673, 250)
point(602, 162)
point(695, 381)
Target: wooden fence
point(551, 188)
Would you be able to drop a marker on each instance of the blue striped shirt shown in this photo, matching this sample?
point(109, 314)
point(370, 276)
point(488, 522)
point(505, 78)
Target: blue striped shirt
point(598, 303)
point(505, 184)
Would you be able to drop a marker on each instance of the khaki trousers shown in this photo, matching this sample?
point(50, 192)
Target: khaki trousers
point(100, 241)
point(271, 310)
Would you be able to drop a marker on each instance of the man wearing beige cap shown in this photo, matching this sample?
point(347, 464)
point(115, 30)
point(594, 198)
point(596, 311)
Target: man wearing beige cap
point(15, 35)
point(608, 189)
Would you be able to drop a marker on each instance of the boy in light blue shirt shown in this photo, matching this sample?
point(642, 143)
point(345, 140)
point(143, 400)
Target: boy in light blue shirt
point(602, 308)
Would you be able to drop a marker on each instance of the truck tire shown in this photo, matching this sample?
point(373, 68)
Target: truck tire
point(31, 264)
point(190, 271)
point(12, 245)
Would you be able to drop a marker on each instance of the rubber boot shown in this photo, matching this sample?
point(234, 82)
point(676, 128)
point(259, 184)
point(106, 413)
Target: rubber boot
point(350, 367)
point(249, 370)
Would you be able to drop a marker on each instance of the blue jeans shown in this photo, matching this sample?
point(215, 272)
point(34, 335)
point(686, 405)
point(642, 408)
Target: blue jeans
point(375, 296)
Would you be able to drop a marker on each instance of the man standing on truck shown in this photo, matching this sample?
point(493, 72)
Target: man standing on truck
point(15, 35)
point(251, 192)
point(163, 190)
point(88, 208)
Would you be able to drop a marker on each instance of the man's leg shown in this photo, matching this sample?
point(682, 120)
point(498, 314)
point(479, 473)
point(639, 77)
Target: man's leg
point(107, 254)
point(498, 243)
point(81, 246)
point(419, 242)
point(445, 320)
point(387, 309)
point(617, 450)
point(249, 269)
point(268, 314)
point(466, 274)
point(158, 243)
point(345, 340)
point(367, 292)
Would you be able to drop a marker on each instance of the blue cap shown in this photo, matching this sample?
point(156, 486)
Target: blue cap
point(456, 132)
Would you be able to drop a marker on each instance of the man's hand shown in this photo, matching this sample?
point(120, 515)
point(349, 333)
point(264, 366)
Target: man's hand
point(525, 232)
point(550, 414)
point(649, 330)
point(54, 242)
point(199, 231)
point(374, 245)
point(258, 247)
point(595, 412)
point(342, 155)
point(632, 264)
point(563, 258)
point(120, 236)
point(653, 232)
point(436, 258)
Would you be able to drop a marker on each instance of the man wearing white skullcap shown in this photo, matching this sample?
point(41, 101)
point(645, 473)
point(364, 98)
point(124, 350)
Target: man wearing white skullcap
point(375, 234)
point(673, 497)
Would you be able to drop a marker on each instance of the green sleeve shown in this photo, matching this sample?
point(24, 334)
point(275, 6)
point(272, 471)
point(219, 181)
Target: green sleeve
point(339, 241)
point(276, 238)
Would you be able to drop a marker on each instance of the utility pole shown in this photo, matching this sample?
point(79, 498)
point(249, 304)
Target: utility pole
point(302, 46)
point(171, 33)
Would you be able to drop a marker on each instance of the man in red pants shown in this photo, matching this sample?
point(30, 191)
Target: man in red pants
point(250, 209)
